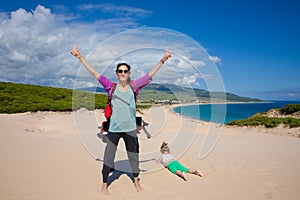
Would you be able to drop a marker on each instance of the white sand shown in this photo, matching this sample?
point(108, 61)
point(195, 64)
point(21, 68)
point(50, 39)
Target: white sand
point(43, 157)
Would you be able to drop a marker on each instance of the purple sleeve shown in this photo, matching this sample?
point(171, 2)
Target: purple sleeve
point(138, 83)
point(141, 82)
point(106, 83)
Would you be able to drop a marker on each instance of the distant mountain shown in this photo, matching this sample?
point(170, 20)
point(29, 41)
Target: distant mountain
point(172, 92)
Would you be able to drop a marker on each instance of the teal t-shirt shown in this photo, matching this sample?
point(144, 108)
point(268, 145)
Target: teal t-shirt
point(123, 113)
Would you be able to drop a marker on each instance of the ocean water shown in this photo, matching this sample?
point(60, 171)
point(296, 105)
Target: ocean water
point(224, 113)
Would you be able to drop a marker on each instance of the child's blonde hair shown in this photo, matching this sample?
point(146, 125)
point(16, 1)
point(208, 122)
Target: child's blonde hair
point(164, 147)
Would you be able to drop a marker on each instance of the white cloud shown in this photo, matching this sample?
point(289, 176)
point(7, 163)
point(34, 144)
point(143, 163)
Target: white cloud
point(121, 11)
point(35, 46)
point(215, 59)
point(188, 81)
point(198, 63)
point(18, 57)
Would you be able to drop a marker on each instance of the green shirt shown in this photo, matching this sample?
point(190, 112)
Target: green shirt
point(123, 113)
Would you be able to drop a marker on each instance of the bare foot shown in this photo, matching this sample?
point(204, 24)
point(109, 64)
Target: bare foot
point(184, 176)
point(199, 173)
point(104, 189)
point(137, 185)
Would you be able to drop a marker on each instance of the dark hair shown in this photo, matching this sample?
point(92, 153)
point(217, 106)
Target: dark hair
point(119, 65)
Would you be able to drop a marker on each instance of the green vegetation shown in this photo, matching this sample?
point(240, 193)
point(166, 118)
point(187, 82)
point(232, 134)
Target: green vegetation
point(268, 122)
point(272, 122)
point(16, 98)
point(290, 109)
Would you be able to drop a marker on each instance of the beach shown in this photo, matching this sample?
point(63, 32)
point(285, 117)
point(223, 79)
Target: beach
point(57, 155)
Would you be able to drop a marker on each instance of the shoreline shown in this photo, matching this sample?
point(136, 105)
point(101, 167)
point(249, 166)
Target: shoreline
point(280, 130)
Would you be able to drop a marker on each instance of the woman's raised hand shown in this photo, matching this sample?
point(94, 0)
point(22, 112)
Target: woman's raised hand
point(167, 55)
point(75, 51)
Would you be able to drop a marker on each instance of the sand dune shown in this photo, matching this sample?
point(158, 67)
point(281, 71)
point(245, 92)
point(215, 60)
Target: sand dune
point(49, 155)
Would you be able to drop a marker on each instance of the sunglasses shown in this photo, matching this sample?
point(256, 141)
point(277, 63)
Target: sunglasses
point(120, 71)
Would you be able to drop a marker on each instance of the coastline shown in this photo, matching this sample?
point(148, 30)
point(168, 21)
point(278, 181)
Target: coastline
point(280, 130)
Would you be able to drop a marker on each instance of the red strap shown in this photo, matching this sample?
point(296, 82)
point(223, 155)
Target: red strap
point(108, 110)
point(112, 89)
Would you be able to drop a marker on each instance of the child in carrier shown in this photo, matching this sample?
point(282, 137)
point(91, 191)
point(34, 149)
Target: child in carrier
point(168, 161)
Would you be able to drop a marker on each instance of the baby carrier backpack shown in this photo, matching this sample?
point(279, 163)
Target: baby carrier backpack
point(103, 128)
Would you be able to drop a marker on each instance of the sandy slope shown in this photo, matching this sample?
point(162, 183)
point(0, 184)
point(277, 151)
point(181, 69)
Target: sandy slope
point(43, 157)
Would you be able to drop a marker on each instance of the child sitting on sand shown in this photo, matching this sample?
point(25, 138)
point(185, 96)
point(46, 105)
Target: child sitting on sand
point(168, 161)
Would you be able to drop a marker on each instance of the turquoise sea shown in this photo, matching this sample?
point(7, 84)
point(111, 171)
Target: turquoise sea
point(224, 113)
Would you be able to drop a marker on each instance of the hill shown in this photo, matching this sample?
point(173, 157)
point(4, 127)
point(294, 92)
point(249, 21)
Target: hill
point(172, 93)
point(188, 95)
point(16, 98)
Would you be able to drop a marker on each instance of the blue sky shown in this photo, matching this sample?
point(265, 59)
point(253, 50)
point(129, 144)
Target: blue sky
point(255, 44)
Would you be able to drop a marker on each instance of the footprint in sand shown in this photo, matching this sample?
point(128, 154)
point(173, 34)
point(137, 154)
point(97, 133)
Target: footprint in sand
point(267, 189)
